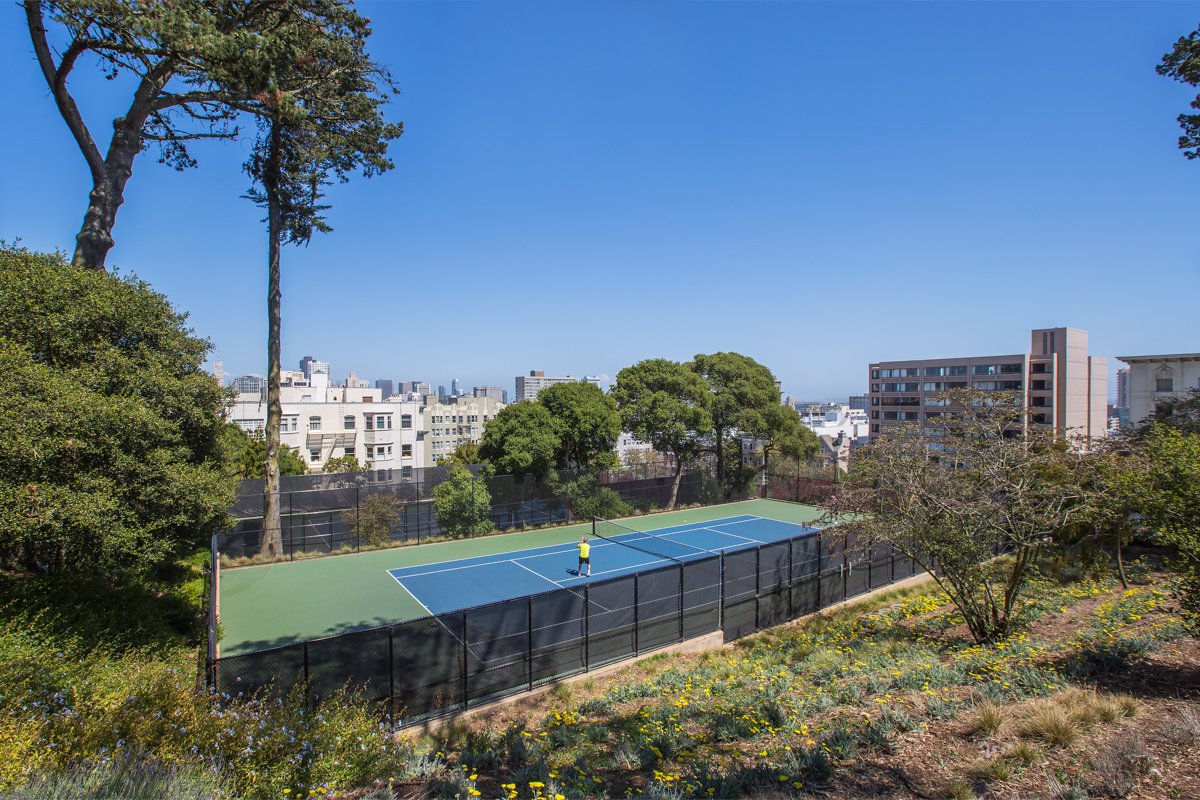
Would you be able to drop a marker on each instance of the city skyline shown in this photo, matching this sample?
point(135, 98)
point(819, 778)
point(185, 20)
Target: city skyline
point(656, 161)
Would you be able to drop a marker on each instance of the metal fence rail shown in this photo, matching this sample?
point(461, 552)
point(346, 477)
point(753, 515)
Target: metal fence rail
point(450, 662)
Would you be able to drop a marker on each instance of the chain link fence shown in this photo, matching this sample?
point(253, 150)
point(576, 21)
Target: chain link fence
point(451, 662)
point(322, 514)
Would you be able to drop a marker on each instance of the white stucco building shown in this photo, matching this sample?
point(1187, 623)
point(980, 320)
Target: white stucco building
point(840, 430)
point(324, 422)
point(1153, 379)
point(444, 426)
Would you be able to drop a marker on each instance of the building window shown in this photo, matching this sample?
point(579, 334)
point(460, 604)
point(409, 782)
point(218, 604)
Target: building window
point(874, 401)
point(379, 423)
point(295, 424)
point(314, 423)
point(962, 370)
point(252, 425)
point(874, 387)
point(348, 423)
point(1039, 368)
point(933, 372)
point(380, 451)
point(350, 452)
point(901, 401)
point(1010, 369)
point(314, 455)
point(406, 451)
point(1164, 384)
point(875, 374)
point(1040, 385)
point(911, 415)
point(874, 415)
point(984, 369)
point(389, 452)
point(406, 472)
point(891, 415)
point(406, 420)
point(875, 428)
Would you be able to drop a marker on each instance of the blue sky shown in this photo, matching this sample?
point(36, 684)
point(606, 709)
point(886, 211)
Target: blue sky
point(583, 185)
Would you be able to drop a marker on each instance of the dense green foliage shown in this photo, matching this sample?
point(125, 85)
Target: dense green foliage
point(740, 393)
point(587, 423)
point(521, 440)
point(1165, 489)
point(111, 447)
point(248, 452)
point(464, 455)
point(332, 466)
point(463, 504)
point(587, 498)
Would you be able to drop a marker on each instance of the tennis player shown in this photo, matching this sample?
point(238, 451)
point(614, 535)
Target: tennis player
point(585, 556)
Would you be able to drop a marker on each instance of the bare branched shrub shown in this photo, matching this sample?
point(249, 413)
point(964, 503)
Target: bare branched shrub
point(1119, 764)
point(1184, 727)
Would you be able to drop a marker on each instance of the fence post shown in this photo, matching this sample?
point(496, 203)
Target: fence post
point(636, 623)
point(464, 658)
point(357, 524)
point(307, 687)
point(845, 566)
point(681, 602)
point(721, 596)
point(529, 639)
point(391, 677)
point(291, 523)
point(587, 643)
point(789, 577)
point(757, 581)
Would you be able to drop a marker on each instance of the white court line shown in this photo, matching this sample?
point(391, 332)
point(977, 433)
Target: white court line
point(540, 575)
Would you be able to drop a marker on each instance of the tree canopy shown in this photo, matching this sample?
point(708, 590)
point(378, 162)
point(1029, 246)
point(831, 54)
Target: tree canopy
point(586, 421)
point(193, 67)
point(662, 403)
point(463, 504)
point(740, 393)
point(111, 454)
point(248, 452)
point(522, 440)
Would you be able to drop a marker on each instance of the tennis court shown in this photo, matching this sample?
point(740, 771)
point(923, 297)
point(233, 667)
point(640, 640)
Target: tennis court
point(616, 550)
point(271, 605)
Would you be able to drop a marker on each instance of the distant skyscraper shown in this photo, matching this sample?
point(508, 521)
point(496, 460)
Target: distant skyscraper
point(454, 390)
point(420, 387)
point(494, 392)
point(504, 399)
point(219, 372)
point(355, 382)
point(385, 388)
point(859, 401)
point(1122, 388)
point(442, 394)
point(529, 386)
point(309, 365)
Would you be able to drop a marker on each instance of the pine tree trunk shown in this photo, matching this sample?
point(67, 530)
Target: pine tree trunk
point(272, 545)
point(94, 239)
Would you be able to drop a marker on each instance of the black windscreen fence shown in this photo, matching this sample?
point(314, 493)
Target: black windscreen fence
point(446, 663)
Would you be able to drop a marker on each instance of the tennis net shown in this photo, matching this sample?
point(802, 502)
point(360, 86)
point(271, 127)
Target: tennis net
point(617, 533)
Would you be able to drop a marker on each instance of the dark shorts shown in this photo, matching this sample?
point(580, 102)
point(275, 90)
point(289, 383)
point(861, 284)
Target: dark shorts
point(587, 561)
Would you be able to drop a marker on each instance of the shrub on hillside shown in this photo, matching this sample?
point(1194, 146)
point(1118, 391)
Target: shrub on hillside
point(111, 450)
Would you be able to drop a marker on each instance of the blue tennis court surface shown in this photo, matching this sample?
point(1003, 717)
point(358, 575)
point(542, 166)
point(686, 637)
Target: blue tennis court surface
point(467, 582)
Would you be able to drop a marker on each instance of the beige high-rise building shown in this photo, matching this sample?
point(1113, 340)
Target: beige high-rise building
point(529, 386)
point(1064, 386)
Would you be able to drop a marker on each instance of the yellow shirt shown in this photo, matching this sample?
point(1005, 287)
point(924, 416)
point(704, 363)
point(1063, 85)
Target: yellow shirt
point(584, 549)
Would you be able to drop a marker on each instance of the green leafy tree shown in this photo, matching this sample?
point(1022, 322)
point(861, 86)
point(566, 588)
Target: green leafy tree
point(740, 392)
point(248, 453)
point(587, 422)
point(463, 504)
point(344, 464)
point(662, 403)
point(1183, 64)
point(192, 67)
point(950, 493)
point(782, 432)
point(112, 444)
point(1165, 490)
point(373, 519)
point(465, 455)
point(586, 498)
point(522, 440)
point(319, 109)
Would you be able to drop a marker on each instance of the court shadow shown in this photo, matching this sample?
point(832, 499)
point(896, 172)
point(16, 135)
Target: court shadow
point(255, 645)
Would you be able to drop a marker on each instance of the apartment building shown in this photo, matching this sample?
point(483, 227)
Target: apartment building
point(1065, 387)
point(324, 422)
point(529, 386)
point(1152, 379)
point(446, 425)
point(494, 392)
point(248, 384)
